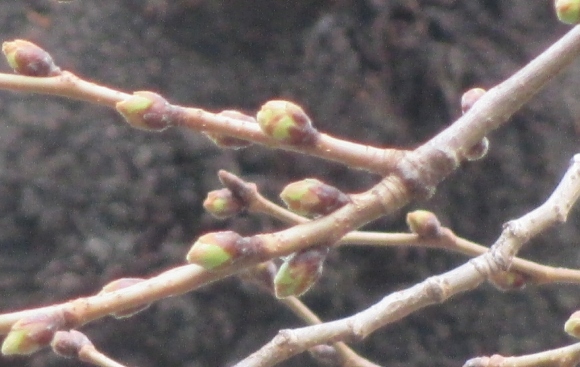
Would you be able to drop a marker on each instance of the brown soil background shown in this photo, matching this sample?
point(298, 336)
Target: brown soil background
point(84, 199)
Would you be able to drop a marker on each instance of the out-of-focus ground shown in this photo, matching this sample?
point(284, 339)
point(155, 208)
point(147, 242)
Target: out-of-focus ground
point(84, 199)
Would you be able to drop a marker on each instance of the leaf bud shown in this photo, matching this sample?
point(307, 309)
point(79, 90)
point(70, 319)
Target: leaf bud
point(225, 141)
point(222, 204)
point(572, 326)
point(146, 110)
point(469, 98)
point(568, 11)
point(69, 343)
point(312, 197)
point(286, 122)
point(32, 333)
point(299, 272)
point(424, 224)
point(219, 249)
point(28, 59)
point(121, 283)
point(509, 280)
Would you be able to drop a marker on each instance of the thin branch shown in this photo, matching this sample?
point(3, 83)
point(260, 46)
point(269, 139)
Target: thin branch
point(433, 290)
point(568, 356)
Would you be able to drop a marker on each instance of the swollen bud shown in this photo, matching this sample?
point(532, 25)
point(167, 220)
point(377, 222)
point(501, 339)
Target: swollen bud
point(424, 223)
point(299, 272)
point(568, 11)
point(222, 204)
point(286, 122)
point(69, 343)
point(219, 249)
point(32, 333)
point(115, 285)
point(508, 280)
point(28, 59)
point(572, 326)
point(147, 111)
point(312, 197)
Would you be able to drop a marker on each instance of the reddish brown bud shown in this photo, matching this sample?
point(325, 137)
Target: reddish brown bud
point(509, 280)
point(32, 333)
point(222, 204)
point(312, 197)
point(26, 58)
point(219, 249)
point(69, 343)
point(286, 122)
point(299, 272)
point(424, 223)
point(147, 111)
point(115, 285)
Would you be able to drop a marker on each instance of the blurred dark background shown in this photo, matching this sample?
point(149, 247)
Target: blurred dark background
point(84, 199)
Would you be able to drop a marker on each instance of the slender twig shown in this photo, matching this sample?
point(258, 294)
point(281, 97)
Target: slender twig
point(568, 356)
point(433, 290)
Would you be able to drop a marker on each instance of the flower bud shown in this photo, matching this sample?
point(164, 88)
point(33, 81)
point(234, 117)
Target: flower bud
point(299, 272)
point(32, 333)
point(572, 326)
point(146, 110)
point(469, 98)
point(424, 223)
point(69, 343)
point(568, 11)
point(219, 249)
point(28, 59)
point(222, 204)
point(115, 285)
point(508, 280)
point(312, 197)
point(286, 122)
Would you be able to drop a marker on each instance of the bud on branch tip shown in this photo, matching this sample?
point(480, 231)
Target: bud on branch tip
point(28, 59)
point(222, 204)
point(32, 333)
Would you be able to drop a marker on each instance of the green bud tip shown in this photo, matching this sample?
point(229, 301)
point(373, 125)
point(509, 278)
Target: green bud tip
point(215, 249)
point(568, 11)
point(32, 333)
point(424, 223)
point(299, 272)
point(312, 197)
point(28, 59)
point(146, 110)
point(222, 204)
point(286, 122)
